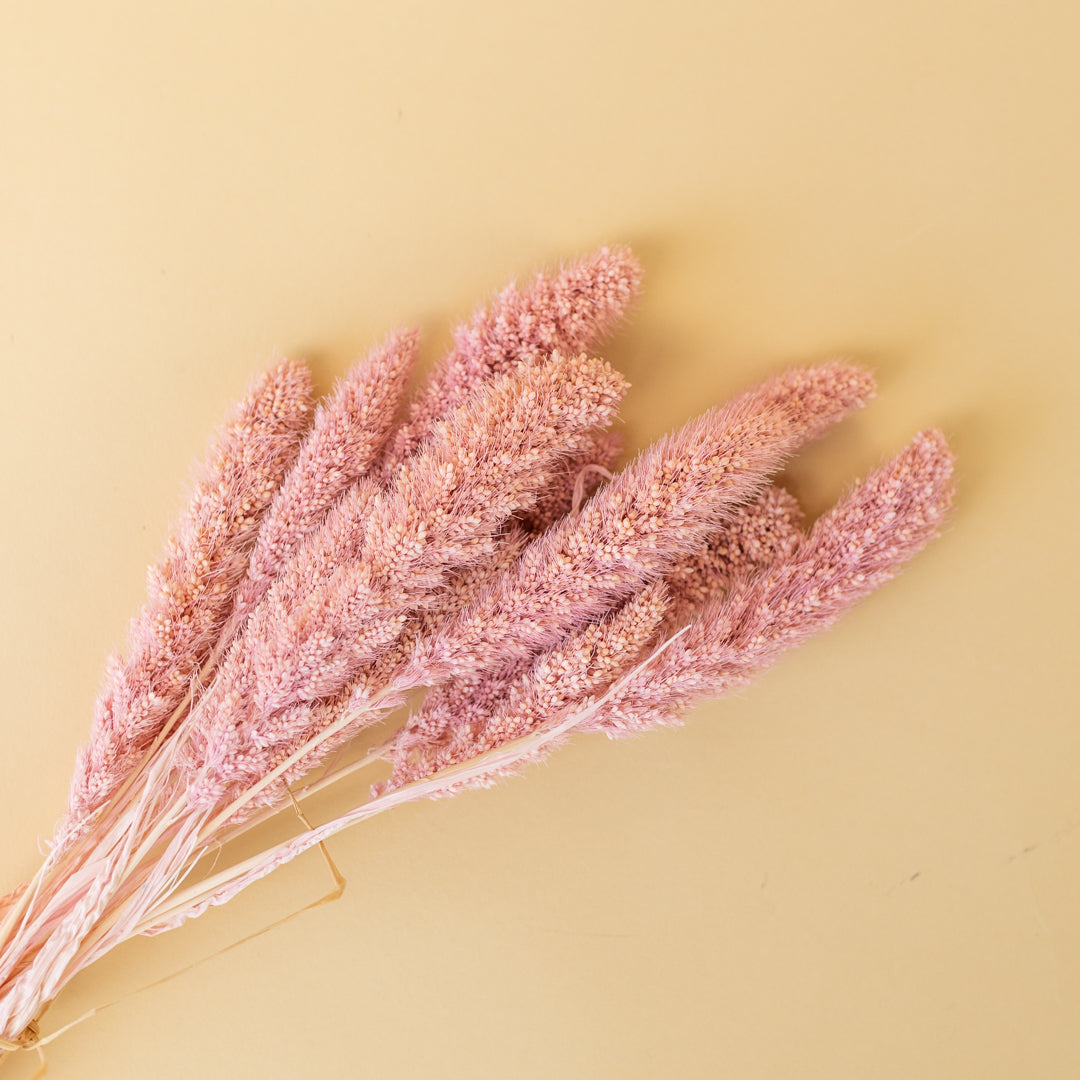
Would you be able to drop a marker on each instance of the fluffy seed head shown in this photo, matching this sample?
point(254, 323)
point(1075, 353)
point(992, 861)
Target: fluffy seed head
point(569, 312)
point(190, 591)
point(660, 508)
point(863, 542)
point(348, 432)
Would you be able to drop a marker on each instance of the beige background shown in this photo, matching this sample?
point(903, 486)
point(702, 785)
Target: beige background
point(867, 864)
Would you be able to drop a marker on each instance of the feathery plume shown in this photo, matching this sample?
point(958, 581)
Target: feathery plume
point(190, 591)
point(445, 509)
point(570, 312)
point(347, 434)
point(856, 547)
point(661, 507)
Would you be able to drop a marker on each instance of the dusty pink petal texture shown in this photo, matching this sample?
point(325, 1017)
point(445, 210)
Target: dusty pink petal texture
point(569, 312)
point(349, 431)
point(850, 551)
point(190, 591)
point(664, 505)
point(444, 511)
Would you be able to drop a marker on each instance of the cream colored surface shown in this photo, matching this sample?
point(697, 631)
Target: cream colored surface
point(867, 864)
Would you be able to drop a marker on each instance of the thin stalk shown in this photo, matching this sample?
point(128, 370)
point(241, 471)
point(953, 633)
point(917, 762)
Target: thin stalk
point(328, 780)
point(241, 801)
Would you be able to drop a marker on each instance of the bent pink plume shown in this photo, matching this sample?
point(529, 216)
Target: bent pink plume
point(190, 591)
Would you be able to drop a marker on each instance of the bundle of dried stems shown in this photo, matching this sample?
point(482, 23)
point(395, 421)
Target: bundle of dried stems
point(333, 561)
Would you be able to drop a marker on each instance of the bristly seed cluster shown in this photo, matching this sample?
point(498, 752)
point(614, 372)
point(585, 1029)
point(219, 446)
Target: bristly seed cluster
point(475, 543)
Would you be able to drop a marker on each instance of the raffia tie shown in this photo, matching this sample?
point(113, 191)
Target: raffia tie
point(26, 1041)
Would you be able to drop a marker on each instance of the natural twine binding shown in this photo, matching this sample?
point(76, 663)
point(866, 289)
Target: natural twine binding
point(29, 1038)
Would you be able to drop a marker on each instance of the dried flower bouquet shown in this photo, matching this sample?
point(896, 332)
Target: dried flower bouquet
point(333, 561)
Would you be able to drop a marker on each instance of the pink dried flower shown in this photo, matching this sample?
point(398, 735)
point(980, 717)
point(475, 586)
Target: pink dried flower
point(445, 509)
point(466, 557)
point(664, 505)
point(570, 312)
point(348, 432)
point(860, 544)
point(190, 592)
